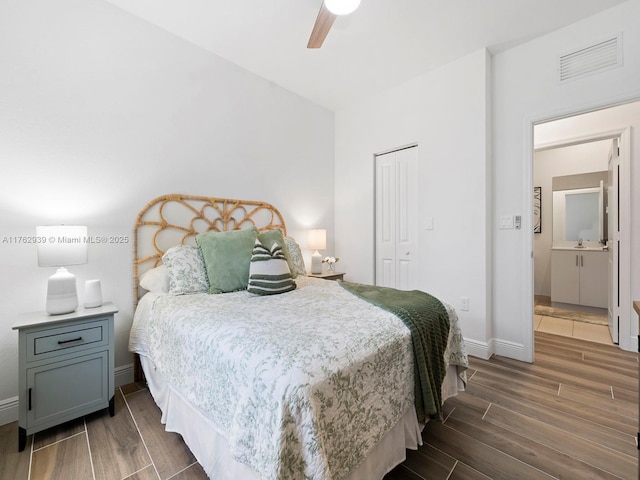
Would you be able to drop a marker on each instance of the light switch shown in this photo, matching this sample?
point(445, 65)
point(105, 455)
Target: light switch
point(429, 223)
point(506, 222)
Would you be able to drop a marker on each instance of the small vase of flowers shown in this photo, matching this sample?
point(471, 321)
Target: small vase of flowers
point(331, 262)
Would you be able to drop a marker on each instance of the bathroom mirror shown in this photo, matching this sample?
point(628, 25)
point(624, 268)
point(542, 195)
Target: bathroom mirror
point(578, 213)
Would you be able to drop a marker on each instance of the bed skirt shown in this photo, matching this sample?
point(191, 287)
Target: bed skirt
point(210, 446)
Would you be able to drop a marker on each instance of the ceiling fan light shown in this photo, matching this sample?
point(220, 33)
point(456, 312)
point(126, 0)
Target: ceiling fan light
point(341, 7)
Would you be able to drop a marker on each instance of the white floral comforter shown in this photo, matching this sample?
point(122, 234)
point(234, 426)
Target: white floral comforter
point(302, 384)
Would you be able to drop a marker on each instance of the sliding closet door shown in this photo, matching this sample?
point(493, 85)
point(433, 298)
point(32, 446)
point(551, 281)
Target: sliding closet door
point(396, 218)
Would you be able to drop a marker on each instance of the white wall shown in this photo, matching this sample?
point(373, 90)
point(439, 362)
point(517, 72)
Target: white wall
point(525, 91)
point(445, 112)
point(558, 162)
point(100, 112)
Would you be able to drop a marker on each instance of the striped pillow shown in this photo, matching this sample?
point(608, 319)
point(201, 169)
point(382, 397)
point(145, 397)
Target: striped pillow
point(269, 272)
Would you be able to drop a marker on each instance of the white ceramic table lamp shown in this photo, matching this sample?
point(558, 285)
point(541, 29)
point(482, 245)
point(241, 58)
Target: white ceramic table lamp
point(317, 240)
point(61, 245)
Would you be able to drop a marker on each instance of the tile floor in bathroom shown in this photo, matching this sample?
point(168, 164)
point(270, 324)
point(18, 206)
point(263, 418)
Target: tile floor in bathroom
point(570, 328)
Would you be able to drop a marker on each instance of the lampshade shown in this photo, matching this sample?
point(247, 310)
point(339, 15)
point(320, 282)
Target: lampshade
point(61, 245)
point(317, 239)
point(341, 7)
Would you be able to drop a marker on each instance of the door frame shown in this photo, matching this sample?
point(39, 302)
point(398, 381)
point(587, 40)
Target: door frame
point(613, 260)
point(626, 341)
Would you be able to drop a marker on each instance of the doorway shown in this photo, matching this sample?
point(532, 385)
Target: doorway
point(581, 130)
point(570, 240)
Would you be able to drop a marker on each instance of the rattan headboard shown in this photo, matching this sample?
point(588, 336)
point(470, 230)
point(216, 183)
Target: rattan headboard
point(176, 219)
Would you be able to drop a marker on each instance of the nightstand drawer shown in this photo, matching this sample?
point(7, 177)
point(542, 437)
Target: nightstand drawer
point(69, 339)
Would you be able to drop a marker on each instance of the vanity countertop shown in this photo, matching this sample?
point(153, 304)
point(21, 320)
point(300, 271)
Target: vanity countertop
point(581, 249)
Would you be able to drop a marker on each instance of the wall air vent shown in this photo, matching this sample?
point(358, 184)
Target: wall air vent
point(596, 58)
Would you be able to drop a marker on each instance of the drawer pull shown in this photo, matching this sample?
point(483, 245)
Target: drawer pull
point(62, 342)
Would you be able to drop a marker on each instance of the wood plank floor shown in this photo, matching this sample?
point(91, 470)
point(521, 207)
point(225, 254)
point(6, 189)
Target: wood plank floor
point(132, 445)
point(573, 414)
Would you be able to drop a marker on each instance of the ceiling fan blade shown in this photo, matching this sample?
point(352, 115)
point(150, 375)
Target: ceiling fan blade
point(321, 28)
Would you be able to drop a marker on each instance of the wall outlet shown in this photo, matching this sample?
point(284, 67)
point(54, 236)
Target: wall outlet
point(464, 304)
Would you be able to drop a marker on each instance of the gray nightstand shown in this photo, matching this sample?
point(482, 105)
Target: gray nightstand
point(328, 275)
point(66, 367)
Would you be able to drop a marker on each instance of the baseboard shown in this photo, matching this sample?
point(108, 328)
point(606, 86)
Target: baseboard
point(8, 410)
point(495, 346)
point(123, 375)
point(631, 345)
point(479, 349)
point(508, 349)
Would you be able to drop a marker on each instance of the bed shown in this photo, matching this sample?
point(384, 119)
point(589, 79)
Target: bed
point(316, 380)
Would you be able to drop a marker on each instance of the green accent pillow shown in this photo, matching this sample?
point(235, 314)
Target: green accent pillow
point(269, 237)
point(227, 256)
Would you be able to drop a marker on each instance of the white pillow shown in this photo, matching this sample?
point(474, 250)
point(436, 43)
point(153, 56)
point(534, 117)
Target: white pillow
point(155, 280)
point(187, 271)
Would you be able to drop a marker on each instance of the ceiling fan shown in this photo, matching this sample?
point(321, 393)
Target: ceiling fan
point(329, 10)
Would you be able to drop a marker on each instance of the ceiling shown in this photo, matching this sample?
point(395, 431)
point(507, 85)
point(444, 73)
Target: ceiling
point(382, 44)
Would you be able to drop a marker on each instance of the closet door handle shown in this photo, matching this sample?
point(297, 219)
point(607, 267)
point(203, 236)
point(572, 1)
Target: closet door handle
point(29, 399)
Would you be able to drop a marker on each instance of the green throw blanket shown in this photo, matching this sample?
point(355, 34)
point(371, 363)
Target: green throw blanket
point(428, 322)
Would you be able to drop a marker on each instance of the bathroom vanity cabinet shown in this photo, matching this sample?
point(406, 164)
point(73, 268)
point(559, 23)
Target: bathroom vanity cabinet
point(579, 277)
